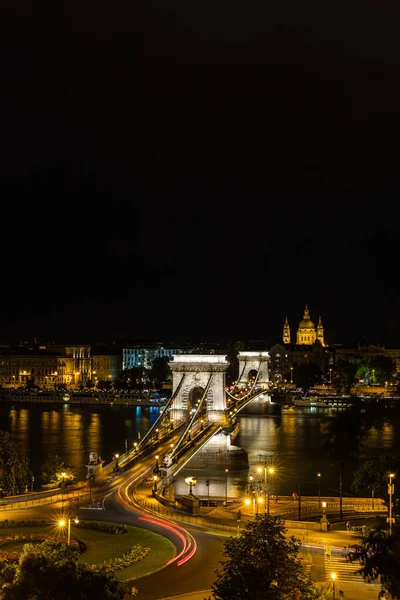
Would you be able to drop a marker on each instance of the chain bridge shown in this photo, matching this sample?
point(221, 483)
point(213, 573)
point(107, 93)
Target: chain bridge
point(202, 412)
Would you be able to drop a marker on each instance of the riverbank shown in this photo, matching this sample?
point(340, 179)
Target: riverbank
point(103, 398)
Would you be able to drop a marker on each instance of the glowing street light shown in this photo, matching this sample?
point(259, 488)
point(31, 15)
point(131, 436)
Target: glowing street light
point(116, 456)
point(63, 475)
point(157, 468)
point(267, 471)
point(333, 577)
point(391, 492)
point(319, 488)
point(62, 524)
point(191, 481)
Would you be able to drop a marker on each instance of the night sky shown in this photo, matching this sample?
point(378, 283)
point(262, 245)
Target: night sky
point(179, 170)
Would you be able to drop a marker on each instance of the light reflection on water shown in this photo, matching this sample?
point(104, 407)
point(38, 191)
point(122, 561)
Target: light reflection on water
point(73, 431)
point(292, 441)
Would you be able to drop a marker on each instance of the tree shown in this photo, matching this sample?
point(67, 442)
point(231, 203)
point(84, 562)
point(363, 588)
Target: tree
point(262, 564)
point(308, 375)
point(50, 571)
point(15, 474)
point(373, 475)
point(347, 433)
point(160, 371)
point(345, 375)
point(52, 470)
point(379, 559)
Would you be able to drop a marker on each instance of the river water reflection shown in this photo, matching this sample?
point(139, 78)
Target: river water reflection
point(291, 440)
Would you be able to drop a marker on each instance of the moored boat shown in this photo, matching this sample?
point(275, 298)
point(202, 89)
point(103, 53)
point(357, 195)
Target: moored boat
point(310, 401)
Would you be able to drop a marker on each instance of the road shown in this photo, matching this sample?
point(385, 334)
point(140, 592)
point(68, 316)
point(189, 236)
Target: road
point(199, 548)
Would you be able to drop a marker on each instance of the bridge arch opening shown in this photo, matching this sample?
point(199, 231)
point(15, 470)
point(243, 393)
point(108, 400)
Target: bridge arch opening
point(194, 398)
point(252, 377)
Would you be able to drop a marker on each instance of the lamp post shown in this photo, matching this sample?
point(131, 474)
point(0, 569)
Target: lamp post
point(267, 471)
point(226, 487)
point(391, 492)
point(116, 456)
point(333, 577)
point(330, 376)
point(191, 481)
point(33, 479)
point(319, 488)
point(260, 500)
point(62, 524)
point(156, 468)
point(324, 520)
point(90, 489)
point(251, 501)
point(208, 492)
point(291, 374)
point(63, 475)
point(155, 478)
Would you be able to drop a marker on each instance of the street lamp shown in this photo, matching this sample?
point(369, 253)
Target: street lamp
point(319, 488)
point(268, 471)
point(333, 577)
point(155, 478)
point(63, 475)
point(249, 501)
point(62, 524)
point(330, 376)
point(156, 468)
point(291, 374)
point(116, 456)
point(226, 488)
point(391, 492)
point(191, 481)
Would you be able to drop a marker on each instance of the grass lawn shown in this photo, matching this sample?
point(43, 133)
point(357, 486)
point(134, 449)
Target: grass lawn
point(102, 547)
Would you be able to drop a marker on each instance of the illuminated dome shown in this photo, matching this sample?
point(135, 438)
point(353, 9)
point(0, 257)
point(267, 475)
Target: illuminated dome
point(307, 333)
point(306, 324)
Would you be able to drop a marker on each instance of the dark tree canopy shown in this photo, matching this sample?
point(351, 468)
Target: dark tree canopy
point(374, 475)
point(378, 559)
point(308, 375)
point(15, 474)
point(52, 470)
point(50, 571)
point(262, 564)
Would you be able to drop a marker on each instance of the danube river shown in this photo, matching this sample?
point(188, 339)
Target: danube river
point(290, 440)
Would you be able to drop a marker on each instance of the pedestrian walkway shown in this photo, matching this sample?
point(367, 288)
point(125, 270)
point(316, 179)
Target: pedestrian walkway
point(345, 571)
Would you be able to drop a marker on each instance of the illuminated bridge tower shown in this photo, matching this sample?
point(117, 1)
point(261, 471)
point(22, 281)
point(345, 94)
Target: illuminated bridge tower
point(253, 370)
point(199, 378)
point(199, 384)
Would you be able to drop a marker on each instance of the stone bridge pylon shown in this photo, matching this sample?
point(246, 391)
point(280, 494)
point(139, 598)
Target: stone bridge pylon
point(203, 380)
point(199, 395)
point(253, 370)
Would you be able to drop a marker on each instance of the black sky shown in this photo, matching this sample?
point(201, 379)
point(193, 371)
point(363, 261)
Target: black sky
point(200, 171)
